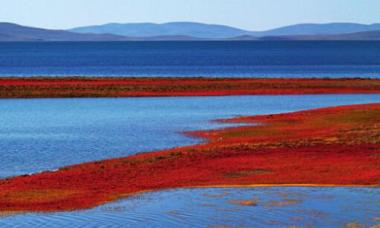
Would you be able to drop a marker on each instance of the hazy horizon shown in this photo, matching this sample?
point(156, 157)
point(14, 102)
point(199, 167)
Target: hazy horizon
point(254, 15)
point(143, 22)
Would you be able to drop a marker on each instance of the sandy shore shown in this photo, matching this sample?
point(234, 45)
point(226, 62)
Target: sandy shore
point(337, 146)
point(146, 87)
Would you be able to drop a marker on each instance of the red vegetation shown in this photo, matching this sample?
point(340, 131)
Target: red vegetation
point(142, 87)
point(332, 146)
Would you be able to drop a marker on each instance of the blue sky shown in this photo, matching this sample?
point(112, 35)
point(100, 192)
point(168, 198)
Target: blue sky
point(247, 14)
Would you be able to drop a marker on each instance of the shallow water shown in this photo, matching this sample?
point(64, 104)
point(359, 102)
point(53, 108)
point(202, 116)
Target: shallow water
point(275, 207)
point(184, 59)
point(42, 134)
point(45, 134)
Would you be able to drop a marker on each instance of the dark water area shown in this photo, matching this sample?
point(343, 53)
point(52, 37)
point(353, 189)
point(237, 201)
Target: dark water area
point(295, 59)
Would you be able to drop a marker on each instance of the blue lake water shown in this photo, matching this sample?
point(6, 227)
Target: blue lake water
point(276, 207)
point(183, 59)
point(44, 134)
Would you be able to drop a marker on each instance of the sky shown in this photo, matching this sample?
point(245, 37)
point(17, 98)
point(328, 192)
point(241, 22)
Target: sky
point(247, 14)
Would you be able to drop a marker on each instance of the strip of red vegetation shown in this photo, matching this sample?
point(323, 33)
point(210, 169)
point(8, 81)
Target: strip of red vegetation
point(332, 146)
point(144, 87)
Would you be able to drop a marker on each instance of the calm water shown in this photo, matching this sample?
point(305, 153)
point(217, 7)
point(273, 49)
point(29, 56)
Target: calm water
point(42, 134)
point(301, 207)
point(215, 59)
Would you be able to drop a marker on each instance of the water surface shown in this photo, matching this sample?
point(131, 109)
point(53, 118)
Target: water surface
point(45, 134)
point(183, 59)
point(276, 207)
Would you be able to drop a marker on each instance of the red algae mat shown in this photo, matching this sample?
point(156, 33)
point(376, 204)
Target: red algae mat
point(143, 87)
point(337, 146)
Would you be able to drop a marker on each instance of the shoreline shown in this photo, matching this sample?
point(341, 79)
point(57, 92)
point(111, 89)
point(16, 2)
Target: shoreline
point(337, 146)
point(86, 87)
point(4, 214)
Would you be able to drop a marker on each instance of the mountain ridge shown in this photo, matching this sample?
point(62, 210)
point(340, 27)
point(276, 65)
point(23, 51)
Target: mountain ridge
point(189, 31)
point(194, 29)
point(15, 32)
point(362, 36)
point(214, 31)
point(320, 29)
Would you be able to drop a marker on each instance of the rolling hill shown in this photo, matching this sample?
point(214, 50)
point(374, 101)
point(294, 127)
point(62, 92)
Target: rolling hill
point(319, 29)
point(168, 29)
point(358, 36)
point(185, 31)
point(14, 32)
point(210, 31)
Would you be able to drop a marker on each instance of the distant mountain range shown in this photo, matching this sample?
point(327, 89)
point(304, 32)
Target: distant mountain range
point(220, 31)
point(188, 31)
point(363, 36)
point(319, 29)
point(14, 32)
point(197, 30)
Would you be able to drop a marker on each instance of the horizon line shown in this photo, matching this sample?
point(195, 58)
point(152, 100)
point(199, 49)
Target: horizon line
point(195, 22)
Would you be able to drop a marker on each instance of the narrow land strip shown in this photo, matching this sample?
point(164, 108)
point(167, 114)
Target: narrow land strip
point(148, 87)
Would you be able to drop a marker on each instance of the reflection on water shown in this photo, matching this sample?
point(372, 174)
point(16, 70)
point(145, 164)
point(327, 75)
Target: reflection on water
point(223, 207)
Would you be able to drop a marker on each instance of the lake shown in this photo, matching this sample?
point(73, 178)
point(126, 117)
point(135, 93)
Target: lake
point(184, 59)
point(44, 134)
point(276, 207)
